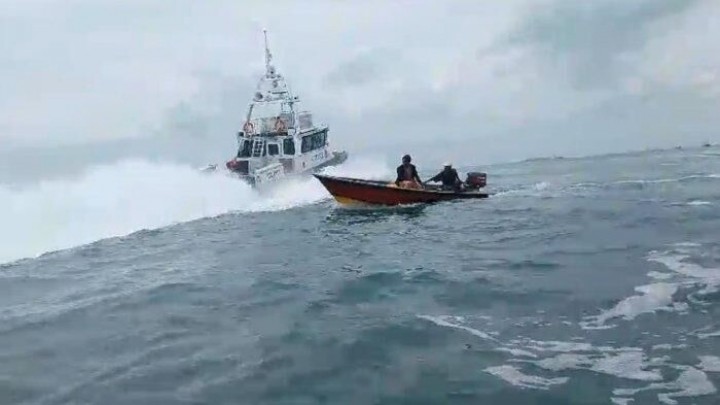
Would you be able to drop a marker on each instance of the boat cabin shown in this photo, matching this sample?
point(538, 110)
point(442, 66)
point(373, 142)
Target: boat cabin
point(265, 142)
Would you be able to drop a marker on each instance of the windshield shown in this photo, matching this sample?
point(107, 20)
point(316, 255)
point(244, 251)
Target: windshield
point(244, 150)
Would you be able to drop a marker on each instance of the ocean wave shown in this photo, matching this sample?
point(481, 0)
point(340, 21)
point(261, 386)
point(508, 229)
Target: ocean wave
point(550, 362)
point(129, 196)
point(710, 176)
point(681, 273)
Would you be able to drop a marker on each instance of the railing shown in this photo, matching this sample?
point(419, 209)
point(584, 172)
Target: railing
point(258, 146)
point(271, 125)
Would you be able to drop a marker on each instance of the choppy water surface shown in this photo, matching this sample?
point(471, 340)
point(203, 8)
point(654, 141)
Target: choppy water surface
point(583, 281)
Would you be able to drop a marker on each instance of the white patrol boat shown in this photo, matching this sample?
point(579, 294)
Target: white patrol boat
point(277, 139)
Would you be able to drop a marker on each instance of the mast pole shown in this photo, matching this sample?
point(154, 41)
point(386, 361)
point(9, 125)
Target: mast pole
point(268, 55)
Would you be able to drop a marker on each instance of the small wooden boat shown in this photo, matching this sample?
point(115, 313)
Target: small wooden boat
point(348, 190)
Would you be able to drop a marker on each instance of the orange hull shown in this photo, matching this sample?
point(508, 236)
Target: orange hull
point(348, 190)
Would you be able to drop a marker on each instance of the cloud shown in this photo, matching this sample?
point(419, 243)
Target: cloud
point(174, 78)
point(367, 66)
point(594, 43)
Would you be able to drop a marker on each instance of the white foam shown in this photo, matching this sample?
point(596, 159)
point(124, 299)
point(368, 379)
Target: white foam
point(642, 181)
point(659, 296)
point(667, 346)
point(543, 185)
point(678, 264)
point(652, 298)
point(659, 276)
point(670, 180)
point(708, 278)
point(709, 335)
point(699, 203)
point(558, 346)
point(690, 383)
point(535, 189)
point(454, 322)
point(568, 347)
point(121, 198)
point(517, 352)
point(628, 364)
point(687, 244)
point(622, 362)
point(563, 361)
point(513, 376)
point(709, 364)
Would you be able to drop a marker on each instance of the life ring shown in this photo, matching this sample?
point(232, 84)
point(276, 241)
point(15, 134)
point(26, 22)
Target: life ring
point(280, 125)
point(249, 128)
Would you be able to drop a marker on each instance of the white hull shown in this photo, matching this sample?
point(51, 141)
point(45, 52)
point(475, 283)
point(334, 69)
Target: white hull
point(275, 172)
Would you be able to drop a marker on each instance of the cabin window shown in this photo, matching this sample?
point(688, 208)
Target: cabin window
point(244, 150)
point(320, 140)
point(288, 146)
point(314, 141)
point(306, 144)
point(273, 149)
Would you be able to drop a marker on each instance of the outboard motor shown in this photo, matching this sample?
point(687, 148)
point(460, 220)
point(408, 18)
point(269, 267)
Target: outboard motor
point(476, 180)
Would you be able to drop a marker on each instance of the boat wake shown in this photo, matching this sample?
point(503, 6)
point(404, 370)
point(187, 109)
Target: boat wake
point(122, 198)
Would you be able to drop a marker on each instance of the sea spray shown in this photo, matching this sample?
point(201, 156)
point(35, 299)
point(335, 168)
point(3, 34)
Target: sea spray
point(120, 198)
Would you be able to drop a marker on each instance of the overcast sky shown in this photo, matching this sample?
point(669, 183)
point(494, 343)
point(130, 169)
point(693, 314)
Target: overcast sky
point(491, 80)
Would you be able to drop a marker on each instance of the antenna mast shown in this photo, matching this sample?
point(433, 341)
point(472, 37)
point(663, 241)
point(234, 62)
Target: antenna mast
point(269, 71)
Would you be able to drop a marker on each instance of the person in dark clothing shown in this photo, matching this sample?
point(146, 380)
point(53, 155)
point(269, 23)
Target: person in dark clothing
point(449, 178)
point(407, 174)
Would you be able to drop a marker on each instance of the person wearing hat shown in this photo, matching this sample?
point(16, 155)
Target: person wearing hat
point(407, 174)
point(449, 178)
